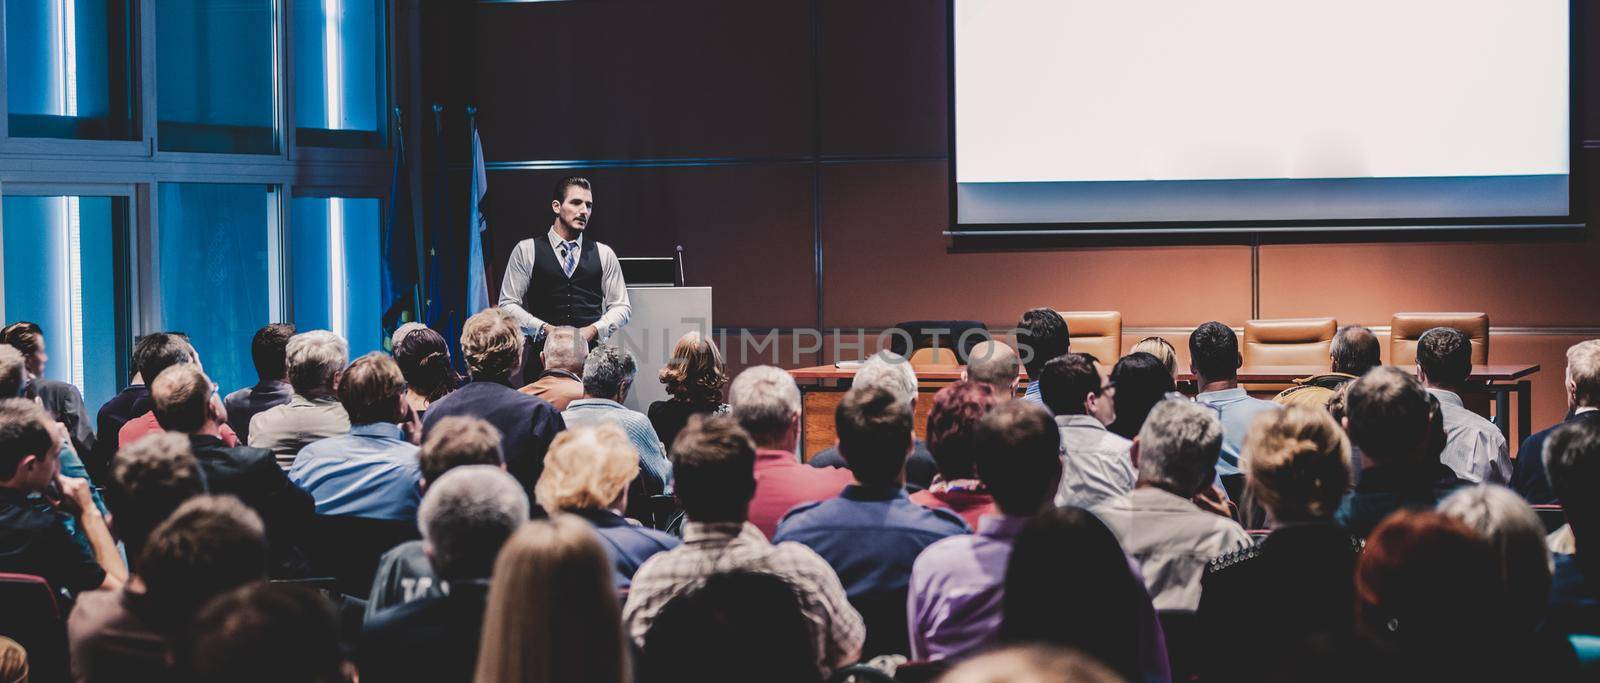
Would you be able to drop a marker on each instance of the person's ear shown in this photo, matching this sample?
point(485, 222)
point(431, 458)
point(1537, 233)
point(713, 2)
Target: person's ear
point(1238, 361)
point(555, 206)
point(1344, 423)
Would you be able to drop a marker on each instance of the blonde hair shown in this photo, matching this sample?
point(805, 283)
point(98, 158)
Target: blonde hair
point(1161, 349)
point(1298, 463)
point(587, 468)
point(1583, 370)
point(491, 342)
point(696, 372)
point(552, 611)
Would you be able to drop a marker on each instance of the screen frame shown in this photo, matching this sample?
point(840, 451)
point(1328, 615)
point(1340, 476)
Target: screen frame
point(1575, 218)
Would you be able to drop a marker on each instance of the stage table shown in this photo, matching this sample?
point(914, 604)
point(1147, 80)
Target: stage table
point(821, 388)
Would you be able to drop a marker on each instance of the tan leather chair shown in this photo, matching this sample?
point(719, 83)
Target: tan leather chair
point(1098, 333)
point(1406, 328)
point(922, 358)
point(1288, 341)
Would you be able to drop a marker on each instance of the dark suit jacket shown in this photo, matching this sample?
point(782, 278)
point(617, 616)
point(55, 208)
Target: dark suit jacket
point(1382, 489)
point(427, 639)
point(253, 475)
point(1527, 475)
point(126, 405)
point(65, 403)
point(1285, 606)
point(527, 424)
point(920, 468)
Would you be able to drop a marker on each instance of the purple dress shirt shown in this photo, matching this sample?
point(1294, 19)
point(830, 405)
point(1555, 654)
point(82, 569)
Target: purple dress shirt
point(956, 589)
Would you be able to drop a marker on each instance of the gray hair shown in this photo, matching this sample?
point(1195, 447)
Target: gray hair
point(467, 515)
point(995, 364)
point(1179, 444)
point(564, 349)
point(315, 358)
point(765, 401)
point(1503, 517)
point(1583, 371)
point(607, 369)
point(889, 372)
point(13, 371)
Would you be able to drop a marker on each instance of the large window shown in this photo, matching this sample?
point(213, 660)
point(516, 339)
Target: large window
point(339, 76)
point(62, 271)
point(214, 75)
point(215, 272)
point(67, 69)
point(334, 253)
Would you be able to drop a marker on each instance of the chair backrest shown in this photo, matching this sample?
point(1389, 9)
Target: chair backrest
point(1551, 515)
point(933, 356)
point(1288, 341)
point(30, 615)
point(1406, 328)
point(348, 548)
point(1098, 333)
point(960, 335)
point(1181, 629)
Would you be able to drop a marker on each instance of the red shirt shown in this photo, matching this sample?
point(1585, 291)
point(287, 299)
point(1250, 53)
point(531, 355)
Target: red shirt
point(969, 504)
point(782, 483)
point(146, 424)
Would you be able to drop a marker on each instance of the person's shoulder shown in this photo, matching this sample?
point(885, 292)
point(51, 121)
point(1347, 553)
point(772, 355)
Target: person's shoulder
point(1115, 441)
point(1236, 560)
point(799, 515)
point(938, 520)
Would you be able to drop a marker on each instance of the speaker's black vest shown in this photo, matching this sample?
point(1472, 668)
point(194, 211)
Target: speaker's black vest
point(557, 299)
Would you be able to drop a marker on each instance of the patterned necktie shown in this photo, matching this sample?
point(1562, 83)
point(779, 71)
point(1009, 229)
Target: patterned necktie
point(569, 260)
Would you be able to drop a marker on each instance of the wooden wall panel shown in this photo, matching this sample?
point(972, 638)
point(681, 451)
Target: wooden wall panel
point(883, 84)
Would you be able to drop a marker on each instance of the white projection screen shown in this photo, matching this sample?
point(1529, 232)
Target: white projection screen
point(1105, 116)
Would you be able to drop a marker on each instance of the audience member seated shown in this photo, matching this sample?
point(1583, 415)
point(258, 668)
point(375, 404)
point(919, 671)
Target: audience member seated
point(466, 517)
point(1583, 405)
point(957, 583)
point(1095, 467)
point(561, 381)
point(766, 402)
point(1474, 448)
point(735, 626)
point(1162, 350)
point(996, 365)
point(424, 360)
point(150, 423)
point(1069, 584)
point(1354, 350)
point(315, 360)
point(404, 572)
point(1572, 458)
point(61, 399)
point(14, 377)
point(552, 612)
point(210, 545)
point(1142, 381)
point(586, 473)
point(607, 376)
point(185, 401)
point(1514, 529)
point(895, 375)
point(1288, 598)
point(1042, 336)
point(1387, 416)
point(1430, 596)
point(1032, 664)
point(152, 353)
point(491, 343)
point(951, 439)
point(34, 535)
point(872, 533)
point(268, 353)
point(714, 471)
point(149, 480)
point(1214, 359)
point(1158, 523)
point(13, 372)
point(694, 377)
point(264, 633)
point(371, 472)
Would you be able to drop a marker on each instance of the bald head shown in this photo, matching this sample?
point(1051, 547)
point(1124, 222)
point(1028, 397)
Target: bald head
point(1355, 350)
point(995, 364)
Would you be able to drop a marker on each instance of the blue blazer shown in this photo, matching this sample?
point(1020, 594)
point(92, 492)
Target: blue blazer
point(527, 423)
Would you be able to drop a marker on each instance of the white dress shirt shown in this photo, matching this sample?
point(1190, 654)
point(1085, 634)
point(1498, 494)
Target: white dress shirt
point(1474, 447)
point(1095, 466)
point(614, 307)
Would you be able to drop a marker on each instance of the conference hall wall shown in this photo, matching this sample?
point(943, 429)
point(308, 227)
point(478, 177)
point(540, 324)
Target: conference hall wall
point(797, 150)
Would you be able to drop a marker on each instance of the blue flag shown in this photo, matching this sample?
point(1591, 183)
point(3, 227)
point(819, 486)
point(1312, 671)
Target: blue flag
point(399, 282)
point(477, 284)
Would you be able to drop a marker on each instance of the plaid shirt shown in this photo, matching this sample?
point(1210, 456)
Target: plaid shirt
point(710, 548)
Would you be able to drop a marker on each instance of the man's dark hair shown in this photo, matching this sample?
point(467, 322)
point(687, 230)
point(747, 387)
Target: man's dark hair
point(266, 351)
point(560, 192)
point(1041, 335)
point(1388, 414)
point(158, 351)
point(1066, 381)
point(24, 431)
point(1445, 355)
point(370, 389)
point(209, 545)
point(1355, 350)
point(27, 337)
point(150, 479)
point(874, 430)
point(1214, 350)
point(713, 469)
point(1018, 456)
point(1572, 462)
point(264, 633)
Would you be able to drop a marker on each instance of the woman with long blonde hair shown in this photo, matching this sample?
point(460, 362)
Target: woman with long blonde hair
point(553, 615)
